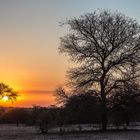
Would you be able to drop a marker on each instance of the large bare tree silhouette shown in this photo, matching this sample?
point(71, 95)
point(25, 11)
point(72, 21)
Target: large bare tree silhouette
point(105, 46)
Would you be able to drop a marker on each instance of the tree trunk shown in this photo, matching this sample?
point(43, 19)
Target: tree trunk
point(103, 99)
point(104, 107)
point(104, 118)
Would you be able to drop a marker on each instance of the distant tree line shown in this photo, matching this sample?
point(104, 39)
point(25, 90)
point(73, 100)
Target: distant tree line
point(84, 108)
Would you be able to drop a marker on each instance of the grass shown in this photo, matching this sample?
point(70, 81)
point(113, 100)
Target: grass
point(12, 132)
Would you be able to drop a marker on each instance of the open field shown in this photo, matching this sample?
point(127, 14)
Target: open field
point(12, 132)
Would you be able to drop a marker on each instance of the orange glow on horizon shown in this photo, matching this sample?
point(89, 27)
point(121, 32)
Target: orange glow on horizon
point(30, 98)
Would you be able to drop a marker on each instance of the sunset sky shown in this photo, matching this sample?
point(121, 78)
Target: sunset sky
point(29, 40)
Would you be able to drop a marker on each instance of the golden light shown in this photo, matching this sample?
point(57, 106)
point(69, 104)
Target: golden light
point(5, 98)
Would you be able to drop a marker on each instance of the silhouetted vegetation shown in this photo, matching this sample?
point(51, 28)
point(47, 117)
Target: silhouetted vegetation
point(7, 91)
point(82, 109)
point(16, 116)
point(105, 46)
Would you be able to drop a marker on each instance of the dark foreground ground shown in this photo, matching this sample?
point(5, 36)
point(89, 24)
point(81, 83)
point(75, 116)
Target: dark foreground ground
point(12, 132)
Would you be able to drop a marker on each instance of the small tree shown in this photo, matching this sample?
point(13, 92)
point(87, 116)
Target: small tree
point(6, 91)
point(61, 95)
point(104, 46)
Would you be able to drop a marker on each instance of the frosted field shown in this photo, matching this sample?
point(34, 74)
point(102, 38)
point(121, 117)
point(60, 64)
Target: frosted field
point(12, 132)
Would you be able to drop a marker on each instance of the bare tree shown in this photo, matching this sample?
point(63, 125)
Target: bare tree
point(104, 46)
point(61, 95)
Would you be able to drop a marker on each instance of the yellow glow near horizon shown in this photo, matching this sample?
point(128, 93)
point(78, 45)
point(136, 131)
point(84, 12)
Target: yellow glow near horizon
point(5, 98)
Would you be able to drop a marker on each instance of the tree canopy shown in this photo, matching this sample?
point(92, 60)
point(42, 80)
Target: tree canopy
point(6, 91)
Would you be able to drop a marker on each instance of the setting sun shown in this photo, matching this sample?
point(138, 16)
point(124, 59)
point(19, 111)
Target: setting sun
point(5, 98)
